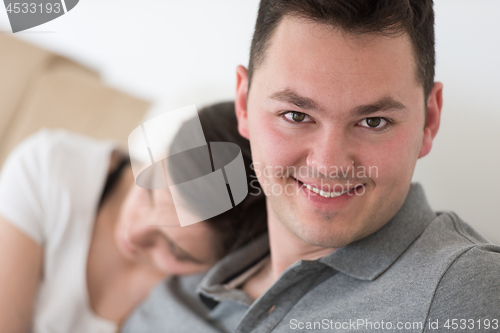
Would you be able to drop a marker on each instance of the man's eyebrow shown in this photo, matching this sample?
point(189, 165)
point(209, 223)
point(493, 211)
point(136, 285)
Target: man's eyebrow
point(289, 96)
point(383, 104)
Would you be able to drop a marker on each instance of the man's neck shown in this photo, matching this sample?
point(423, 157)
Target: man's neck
point(286, 249)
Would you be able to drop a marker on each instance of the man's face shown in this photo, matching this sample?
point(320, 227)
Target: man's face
point(340, 114)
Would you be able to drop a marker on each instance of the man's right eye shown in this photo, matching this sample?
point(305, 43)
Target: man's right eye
point(296, 117)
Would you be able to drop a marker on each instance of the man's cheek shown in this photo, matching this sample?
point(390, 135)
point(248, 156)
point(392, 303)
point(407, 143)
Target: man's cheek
point(385, 161)
point(276, 148)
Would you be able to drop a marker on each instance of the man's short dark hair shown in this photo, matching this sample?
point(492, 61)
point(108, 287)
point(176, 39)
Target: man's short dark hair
point(381, 17)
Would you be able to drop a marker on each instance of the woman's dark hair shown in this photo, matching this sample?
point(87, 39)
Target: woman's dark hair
point(245, 221)
point(382, 17)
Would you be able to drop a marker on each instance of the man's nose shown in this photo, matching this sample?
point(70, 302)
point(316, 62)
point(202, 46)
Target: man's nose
point(330, 152)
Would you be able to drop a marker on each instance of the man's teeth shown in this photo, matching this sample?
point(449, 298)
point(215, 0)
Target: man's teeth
point(325, 194)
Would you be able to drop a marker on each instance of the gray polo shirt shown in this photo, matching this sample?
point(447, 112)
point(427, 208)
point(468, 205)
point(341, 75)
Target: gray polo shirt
point(421, 272)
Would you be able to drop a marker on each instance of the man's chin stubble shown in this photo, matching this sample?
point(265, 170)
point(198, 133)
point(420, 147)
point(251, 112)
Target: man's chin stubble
point(320, 235)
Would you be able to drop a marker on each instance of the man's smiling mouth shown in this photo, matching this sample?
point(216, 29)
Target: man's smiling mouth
point(327, 194)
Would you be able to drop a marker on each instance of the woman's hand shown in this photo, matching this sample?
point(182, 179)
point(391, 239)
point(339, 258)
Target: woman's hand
point(20, 272)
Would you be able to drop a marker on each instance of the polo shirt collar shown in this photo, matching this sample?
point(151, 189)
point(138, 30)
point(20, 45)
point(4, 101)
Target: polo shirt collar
point(365, 259)
point(371, 256)
point(212, 288)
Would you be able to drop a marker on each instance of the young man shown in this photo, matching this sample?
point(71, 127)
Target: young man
point(339, 102)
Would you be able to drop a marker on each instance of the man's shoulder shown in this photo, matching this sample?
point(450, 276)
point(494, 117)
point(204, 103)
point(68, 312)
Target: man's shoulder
point(468, 289)
point(473, 267)
point(465, 266)
point(475, 253)
point(445, 243)
point(172, 306)
point(459, 227)
point(468, 253)
point(448, 236)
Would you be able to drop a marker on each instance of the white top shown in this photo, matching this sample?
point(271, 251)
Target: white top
point(50, 188)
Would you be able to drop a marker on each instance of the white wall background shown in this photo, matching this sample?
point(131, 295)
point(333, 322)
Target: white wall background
point(178, 53)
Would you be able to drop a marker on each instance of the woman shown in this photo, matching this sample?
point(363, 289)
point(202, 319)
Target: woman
point(79, 252)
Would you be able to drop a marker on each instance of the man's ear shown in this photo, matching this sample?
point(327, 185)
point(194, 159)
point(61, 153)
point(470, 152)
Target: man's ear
point(241, 100)
point(434, 106)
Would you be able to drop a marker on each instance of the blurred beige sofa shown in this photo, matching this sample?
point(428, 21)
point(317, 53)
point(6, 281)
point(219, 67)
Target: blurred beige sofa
point(41, 89)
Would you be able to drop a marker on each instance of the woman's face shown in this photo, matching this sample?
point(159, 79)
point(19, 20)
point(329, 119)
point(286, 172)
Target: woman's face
point(148, 231)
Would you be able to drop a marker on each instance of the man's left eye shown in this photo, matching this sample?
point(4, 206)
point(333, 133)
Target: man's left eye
point(373, 122)
point(297, 117)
